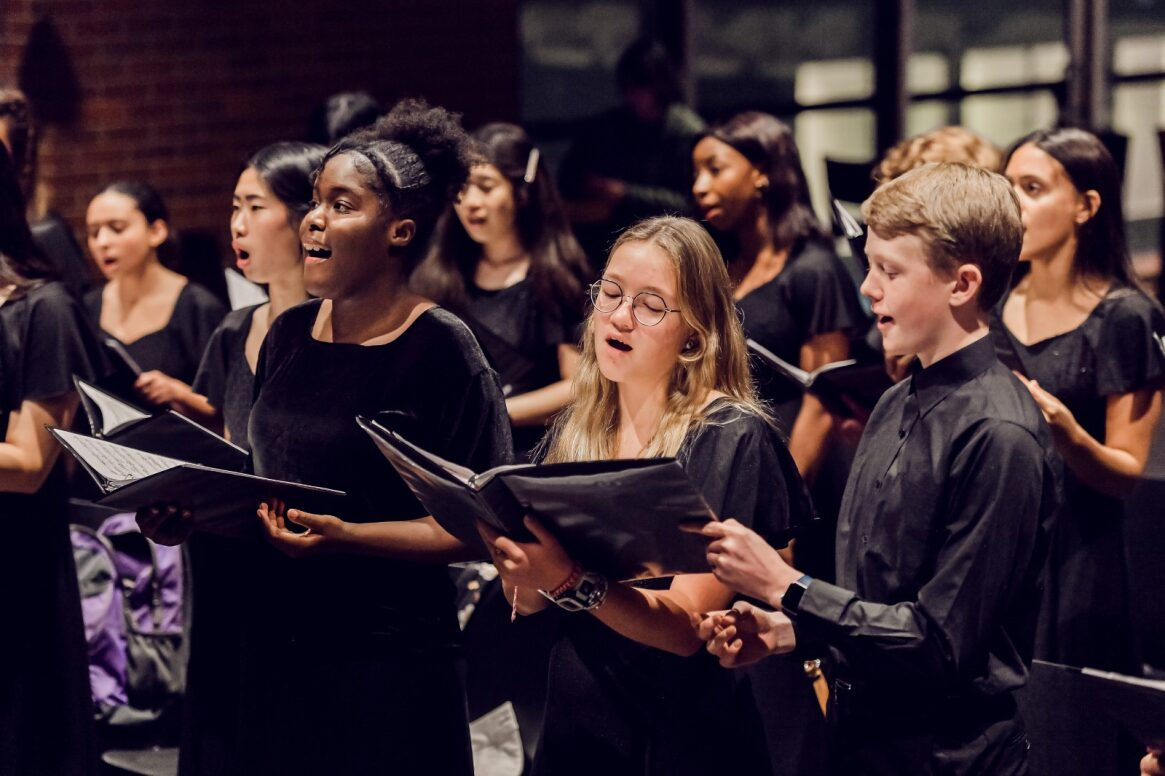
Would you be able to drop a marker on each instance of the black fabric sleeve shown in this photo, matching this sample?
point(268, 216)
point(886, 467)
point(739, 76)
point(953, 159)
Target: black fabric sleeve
point(738, 465)
point(996, 486)
point(210, 379)
point(820, 293)
point(59, 343)
point(203, 314)
point(476, 429)
point(1131, 351)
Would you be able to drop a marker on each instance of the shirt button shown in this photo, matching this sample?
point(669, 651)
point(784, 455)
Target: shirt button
point(877, 484)
point(901, 433)
point(865, 539)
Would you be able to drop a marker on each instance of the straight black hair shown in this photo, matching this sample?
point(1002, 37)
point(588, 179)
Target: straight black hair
point(1101, 247)
point(767, 143)
point(287, 169)
point(558, 267)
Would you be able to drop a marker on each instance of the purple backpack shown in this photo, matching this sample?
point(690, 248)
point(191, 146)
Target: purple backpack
point(132, 606)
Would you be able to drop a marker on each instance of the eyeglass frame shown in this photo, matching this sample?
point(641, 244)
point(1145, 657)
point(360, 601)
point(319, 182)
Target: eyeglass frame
point(596, 287)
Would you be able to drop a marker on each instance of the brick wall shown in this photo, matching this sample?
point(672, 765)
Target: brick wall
point(179, 91)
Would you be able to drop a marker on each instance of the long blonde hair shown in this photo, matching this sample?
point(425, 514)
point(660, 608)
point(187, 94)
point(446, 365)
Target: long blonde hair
point(716, 358)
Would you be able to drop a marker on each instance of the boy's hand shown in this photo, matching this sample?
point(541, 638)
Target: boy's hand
point(745, 634)
point(745, 562)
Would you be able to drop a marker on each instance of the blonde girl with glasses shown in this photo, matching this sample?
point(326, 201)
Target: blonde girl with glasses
point(663, 372)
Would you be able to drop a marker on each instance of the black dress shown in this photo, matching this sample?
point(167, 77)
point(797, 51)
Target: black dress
point(176, 348)
point(1086, 617)
point(46, 711)
point(521, 340)
point(350, 660)
point(812, 295)
point(619, 708)
point(218, 567)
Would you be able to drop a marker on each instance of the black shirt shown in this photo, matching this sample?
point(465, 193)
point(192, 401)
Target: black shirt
point(1086, 618)
point(521, 338)
point(941, 536)
point(812, 295)
point(617, 707)
point(225, 378)
point(378, 633)
point(176, 348)
point(46, 712)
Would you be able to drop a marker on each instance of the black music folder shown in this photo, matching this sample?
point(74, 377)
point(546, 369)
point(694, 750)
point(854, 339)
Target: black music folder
point(221, 501)
point(838, 385)
point(163, 433)
point(621, 518)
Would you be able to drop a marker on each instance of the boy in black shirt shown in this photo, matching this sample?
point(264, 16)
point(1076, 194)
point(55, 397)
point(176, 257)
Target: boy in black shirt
point(941, 536)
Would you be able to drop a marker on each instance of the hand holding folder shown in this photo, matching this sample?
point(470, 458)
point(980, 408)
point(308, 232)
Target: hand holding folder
point(220, 501)
point(163, 433)
point(622, 519)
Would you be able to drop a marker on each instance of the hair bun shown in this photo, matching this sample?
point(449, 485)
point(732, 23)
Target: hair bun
point(436, 136)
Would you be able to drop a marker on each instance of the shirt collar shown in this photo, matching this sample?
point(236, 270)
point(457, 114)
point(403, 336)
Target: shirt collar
point(932, 384)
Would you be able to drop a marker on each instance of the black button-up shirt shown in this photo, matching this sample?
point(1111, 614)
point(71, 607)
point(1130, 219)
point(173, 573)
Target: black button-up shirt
point(940, 540)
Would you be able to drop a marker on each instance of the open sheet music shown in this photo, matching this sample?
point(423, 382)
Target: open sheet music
point(164, 433)
point(221, 501)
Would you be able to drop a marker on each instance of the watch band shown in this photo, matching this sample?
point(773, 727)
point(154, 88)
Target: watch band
point(588, 591)
point(791, 600)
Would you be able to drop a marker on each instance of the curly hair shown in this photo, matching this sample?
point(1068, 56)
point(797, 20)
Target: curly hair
point(416, 158)
point(945, 144)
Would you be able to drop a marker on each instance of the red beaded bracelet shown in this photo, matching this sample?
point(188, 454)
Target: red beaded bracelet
point(571, 580)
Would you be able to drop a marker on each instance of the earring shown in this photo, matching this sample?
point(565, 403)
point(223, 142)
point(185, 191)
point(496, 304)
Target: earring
point(691, 344)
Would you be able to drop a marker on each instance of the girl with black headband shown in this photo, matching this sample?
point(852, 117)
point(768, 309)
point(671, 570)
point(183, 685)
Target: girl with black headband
point(349, 655)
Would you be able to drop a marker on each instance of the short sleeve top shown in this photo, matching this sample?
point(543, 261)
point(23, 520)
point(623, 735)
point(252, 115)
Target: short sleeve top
point(812, 295)
point(1117, 349)
point(433, 386)
point(225, 378)
point(176, 348)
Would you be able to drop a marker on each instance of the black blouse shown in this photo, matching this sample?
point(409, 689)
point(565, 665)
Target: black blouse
point(812, 295)
point(616, 706)
point(225, 378)
point(46, 723)
point(433, 386)
point(1086, 618)
point(176, 348)
point(521, 339)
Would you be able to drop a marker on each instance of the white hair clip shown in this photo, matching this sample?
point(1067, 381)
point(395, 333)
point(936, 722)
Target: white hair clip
point(531, 166)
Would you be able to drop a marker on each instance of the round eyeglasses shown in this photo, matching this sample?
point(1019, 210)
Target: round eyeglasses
point(648, 307)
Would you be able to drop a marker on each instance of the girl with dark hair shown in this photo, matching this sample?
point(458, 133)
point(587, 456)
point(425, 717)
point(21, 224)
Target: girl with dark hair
point(795, 299)
point(160, 318)
point(46, 718)
point(1089, 344)
point(271, 197)
point(795, 296)
point(351, 649)
point(504, 259)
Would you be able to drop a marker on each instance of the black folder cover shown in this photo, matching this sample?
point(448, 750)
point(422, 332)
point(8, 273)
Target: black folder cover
point(837, 384)
point(619, 518)
point(165, 433)
point(221, 501)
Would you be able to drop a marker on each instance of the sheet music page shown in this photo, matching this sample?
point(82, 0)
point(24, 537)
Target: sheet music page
point(116, 463)
point(114, 412)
